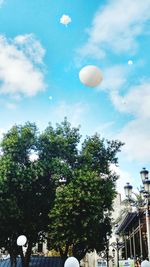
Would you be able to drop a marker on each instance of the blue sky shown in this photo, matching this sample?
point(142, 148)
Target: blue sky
point(40, 60)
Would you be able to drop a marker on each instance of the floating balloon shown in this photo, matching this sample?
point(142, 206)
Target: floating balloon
point(130, 62)
point(33, 157)
point(90, 76)
point(65, 19)
point(71, 262)
point(21, 240)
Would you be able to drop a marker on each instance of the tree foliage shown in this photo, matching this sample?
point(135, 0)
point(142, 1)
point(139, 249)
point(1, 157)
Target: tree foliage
point(81, 212)
point(32, 201)
point(80, 215)
point(26, 193)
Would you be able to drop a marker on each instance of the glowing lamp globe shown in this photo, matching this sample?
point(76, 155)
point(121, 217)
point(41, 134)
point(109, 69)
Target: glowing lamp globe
point(21, 240)
point(145, 263)
point(71, 262)
point(90, 76)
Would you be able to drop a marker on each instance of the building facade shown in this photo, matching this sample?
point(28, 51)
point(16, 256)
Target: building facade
point(134, 233)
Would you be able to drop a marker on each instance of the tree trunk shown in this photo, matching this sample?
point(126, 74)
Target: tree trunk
point(78, 253)
point(25, 259)
point(64, 254)
point(12, 259)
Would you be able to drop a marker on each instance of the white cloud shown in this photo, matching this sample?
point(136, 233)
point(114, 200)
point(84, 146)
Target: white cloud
point(2, 131)
point(31, 47)
point(116, 27)
point(1, 2)
point(11, 106)
point(74, 112)
point(136, 135)
point(16, 97)
point(105, 129)
point(114, 78)
point(135, 102)
point(136, 132)
point(21, 70)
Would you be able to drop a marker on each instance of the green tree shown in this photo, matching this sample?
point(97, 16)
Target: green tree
point(81, 213)
point(26, 192)
point(58, 149)
point(27, 188)
point(31, 197)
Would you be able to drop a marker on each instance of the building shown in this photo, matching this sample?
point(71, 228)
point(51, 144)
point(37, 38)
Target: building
point(133, 230)
point(107, 257)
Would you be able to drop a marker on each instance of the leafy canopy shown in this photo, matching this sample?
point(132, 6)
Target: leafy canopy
point(82, 207)
point(32, 200)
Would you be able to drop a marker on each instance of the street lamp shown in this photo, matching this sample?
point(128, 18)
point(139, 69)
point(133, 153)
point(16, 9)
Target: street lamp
point(128, 190)
point(144, 174)
point(117, 249)
point(117, 246)
point(105, 253)
point(145, 200)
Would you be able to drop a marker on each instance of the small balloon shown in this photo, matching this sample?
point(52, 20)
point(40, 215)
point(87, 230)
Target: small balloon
point(130, 62)
point(71, 262)
point(33, 157)
point(21, 240)
point(65, 19)
point(90, 76)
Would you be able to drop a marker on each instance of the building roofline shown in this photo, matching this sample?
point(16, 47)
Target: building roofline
point(128, 218)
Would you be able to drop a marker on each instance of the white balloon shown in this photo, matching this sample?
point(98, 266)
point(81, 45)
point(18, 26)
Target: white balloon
point(21, 240)
point(145, 263)
point(65, 19)
point(71, 262)
point(90, 76)
point(130, 62)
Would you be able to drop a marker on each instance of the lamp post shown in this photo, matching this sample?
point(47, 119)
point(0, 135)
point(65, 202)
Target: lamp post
point(107, 256)
point(113, 254)
point(146, 183)
point(107, 249)
point(145, 201)
point(117, 246)
point(105, 253)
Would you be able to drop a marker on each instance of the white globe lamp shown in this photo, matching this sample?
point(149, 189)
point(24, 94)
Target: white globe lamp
point(21, 240)
point(71, 262)
point(90, 76)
